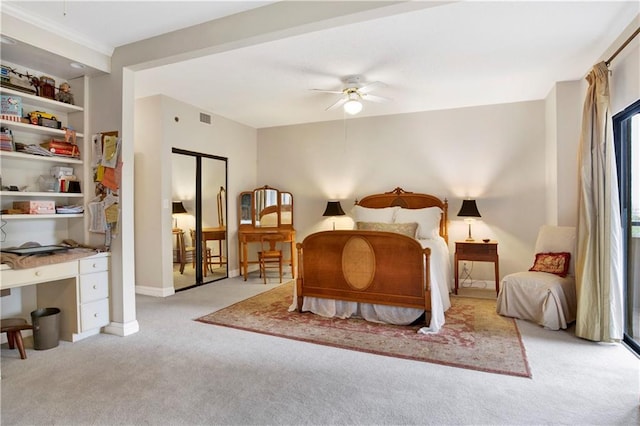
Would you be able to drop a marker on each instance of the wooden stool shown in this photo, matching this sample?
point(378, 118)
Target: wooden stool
point(13, 326)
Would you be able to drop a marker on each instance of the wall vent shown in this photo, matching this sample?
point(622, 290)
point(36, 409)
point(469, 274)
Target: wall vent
point(205, 118)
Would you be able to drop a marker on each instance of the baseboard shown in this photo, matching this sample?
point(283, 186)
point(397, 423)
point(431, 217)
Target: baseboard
point(478, 284)
point(122, 329)
point(155, 291)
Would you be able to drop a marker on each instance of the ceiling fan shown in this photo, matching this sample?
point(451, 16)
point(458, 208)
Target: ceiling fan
point(354, 92)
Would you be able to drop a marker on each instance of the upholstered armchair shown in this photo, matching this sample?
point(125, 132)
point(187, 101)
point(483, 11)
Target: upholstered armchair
point(545, 294)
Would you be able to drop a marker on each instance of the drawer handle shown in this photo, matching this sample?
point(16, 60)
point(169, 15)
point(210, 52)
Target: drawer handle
point(95, 287)
point(95, 315)
point(38, 273)
point(94, 266)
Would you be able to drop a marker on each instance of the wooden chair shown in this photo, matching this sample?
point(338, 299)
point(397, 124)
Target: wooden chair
point(206, 265)
point(13, 328)
point(270, 255)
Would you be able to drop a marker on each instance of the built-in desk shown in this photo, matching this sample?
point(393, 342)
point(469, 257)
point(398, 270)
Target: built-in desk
point(79, 288)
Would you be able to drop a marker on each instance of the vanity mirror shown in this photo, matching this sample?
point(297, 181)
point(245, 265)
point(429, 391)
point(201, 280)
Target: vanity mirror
point(264, 210)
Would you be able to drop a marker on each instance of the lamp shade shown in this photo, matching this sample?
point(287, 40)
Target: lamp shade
point(333, 209)
point(469, 209)
point(178, 208)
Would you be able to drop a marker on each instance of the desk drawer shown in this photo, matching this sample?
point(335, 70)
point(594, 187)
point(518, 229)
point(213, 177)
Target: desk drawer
point(477, 249)
point(94, 314)
point(20, 277)
point(94, 264)
point(94, 286)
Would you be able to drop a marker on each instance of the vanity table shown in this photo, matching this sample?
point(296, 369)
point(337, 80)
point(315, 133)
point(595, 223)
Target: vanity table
point(264, 211)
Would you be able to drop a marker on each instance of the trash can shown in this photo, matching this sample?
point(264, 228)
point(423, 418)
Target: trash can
point(46, 328)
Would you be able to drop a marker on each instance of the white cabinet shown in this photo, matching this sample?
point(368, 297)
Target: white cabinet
point(94, 293)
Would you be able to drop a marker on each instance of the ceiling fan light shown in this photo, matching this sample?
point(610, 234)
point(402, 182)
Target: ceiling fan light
point(352, 107)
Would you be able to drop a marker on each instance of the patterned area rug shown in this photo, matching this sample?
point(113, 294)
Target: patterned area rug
point(474, 336)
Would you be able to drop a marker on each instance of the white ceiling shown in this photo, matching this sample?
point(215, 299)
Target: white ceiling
point(455, 55)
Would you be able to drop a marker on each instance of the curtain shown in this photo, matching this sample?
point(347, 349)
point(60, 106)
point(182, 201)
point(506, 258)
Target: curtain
point(599, 232)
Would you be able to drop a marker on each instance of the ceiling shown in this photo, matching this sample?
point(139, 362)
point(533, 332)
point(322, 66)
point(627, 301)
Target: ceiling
point(457, 54)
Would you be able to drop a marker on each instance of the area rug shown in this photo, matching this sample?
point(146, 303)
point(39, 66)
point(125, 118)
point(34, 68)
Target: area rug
point(473, 337)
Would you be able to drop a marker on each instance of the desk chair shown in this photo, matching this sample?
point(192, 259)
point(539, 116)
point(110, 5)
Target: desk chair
point(13, 328)
point(270, 255)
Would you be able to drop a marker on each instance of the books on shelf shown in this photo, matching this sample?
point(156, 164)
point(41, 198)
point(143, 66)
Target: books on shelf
point(62, 148)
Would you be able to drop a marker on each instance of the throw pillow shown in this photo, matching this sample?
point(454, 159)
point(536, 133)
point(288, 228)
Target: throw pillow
point(428, 220)
point(367, 214)
point(554, 263)
point(408, 229)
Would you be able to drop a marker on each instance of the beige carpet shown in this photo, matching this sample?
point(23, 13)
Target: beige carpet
point(474, 336)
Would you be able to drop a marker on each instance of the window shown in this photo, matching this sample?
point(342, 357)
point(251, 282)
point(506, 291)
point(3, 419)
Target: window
point(626, 127)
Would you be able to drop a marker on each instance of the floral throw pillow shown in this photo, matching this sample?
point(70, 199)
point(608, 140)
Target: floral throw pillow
point(554, 263)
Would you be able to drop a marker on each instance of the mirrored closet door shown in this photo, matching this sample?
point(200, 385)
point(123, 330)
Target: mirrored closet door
point(199, 210)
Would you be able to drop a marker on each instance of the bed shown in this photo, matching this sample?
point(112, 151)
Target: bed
point(392, 268)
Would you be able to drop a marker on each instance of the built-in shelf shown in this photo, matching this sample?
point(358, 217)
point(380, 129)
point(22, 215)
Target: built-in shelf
point(41, 102)
point(39, 216)
point(40, 194)
point(32, 128)
point(31, 157)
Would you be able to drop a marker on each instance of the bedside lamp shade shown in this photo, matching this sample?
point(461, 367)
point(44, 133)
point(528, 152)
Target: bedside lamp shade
point(333, 209)
point(178, 208)
point(469, 210)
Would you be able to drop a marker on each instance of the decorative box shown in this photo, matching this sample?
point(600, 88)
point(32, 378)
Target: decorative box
point(35, 207)
point(11, 107)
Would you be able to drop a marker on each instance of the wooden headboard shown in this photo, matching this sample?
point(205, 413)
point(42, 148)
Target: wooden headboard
point(408, 200)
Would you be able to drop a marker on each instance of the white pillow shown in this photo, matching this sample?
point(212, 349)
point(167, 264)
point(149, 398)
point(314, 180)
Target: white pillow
point(366, 214)
point(428, 220)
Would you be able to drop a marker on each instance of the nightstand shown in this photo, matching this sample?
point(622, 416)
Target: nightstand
point(477, 251)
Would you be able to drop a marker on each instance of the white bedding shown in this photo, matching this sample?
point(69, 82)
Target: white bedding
point(440, 277)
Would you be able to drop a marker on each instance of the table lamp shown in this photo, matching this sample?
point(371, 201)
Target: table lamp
point(333, 209)
point(469, 210)
point(177, 208)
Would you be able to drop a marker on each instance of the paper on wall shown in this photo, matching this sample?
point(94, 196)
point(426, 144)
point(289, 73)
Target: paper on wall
point(98, 221)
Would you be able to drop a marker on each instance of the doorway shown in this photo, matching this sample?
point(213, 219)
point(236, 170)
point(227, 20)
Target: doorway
point(626, 127)
point(199, 210)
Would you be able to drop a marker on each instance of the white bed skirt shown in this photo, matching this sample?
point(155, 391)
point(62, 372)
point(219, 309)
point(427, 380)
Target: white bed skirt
point(440, 274)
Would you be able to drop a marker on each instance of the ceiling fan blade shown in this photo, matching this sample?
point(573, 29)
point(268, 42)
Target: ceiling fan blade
point(374, 98)
point(328, 91)
point(337, 104)
point(369, 87)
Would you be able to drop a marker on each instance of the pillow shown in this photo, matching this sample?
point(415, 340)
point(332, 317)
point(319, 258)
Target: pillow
point(557, 239)
point(554, 263)
point(366, 214)
point(408, 229)
point(428, 220)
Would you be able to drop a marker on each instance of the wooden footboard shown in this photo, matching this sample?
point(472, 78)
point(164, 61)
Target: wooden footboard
point(364, 266)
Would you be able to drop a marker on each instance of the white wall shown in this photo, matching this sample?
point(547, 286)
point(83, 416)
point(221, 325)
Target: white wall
point(495, 154)
point(563, 122)
point(157, 131)
point(625, 71)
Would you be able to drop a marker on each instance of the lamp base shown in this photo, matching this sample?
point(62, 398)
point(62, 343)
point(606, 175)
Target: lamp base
point(469, 238)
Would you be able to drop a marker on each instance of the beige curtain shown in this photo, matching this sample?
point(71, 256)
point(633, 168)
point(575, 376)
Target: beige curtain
point(599, 245)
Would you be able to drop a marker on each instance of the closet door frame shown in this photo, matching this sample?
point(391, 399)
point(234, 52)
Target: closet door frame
point(198, 157)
